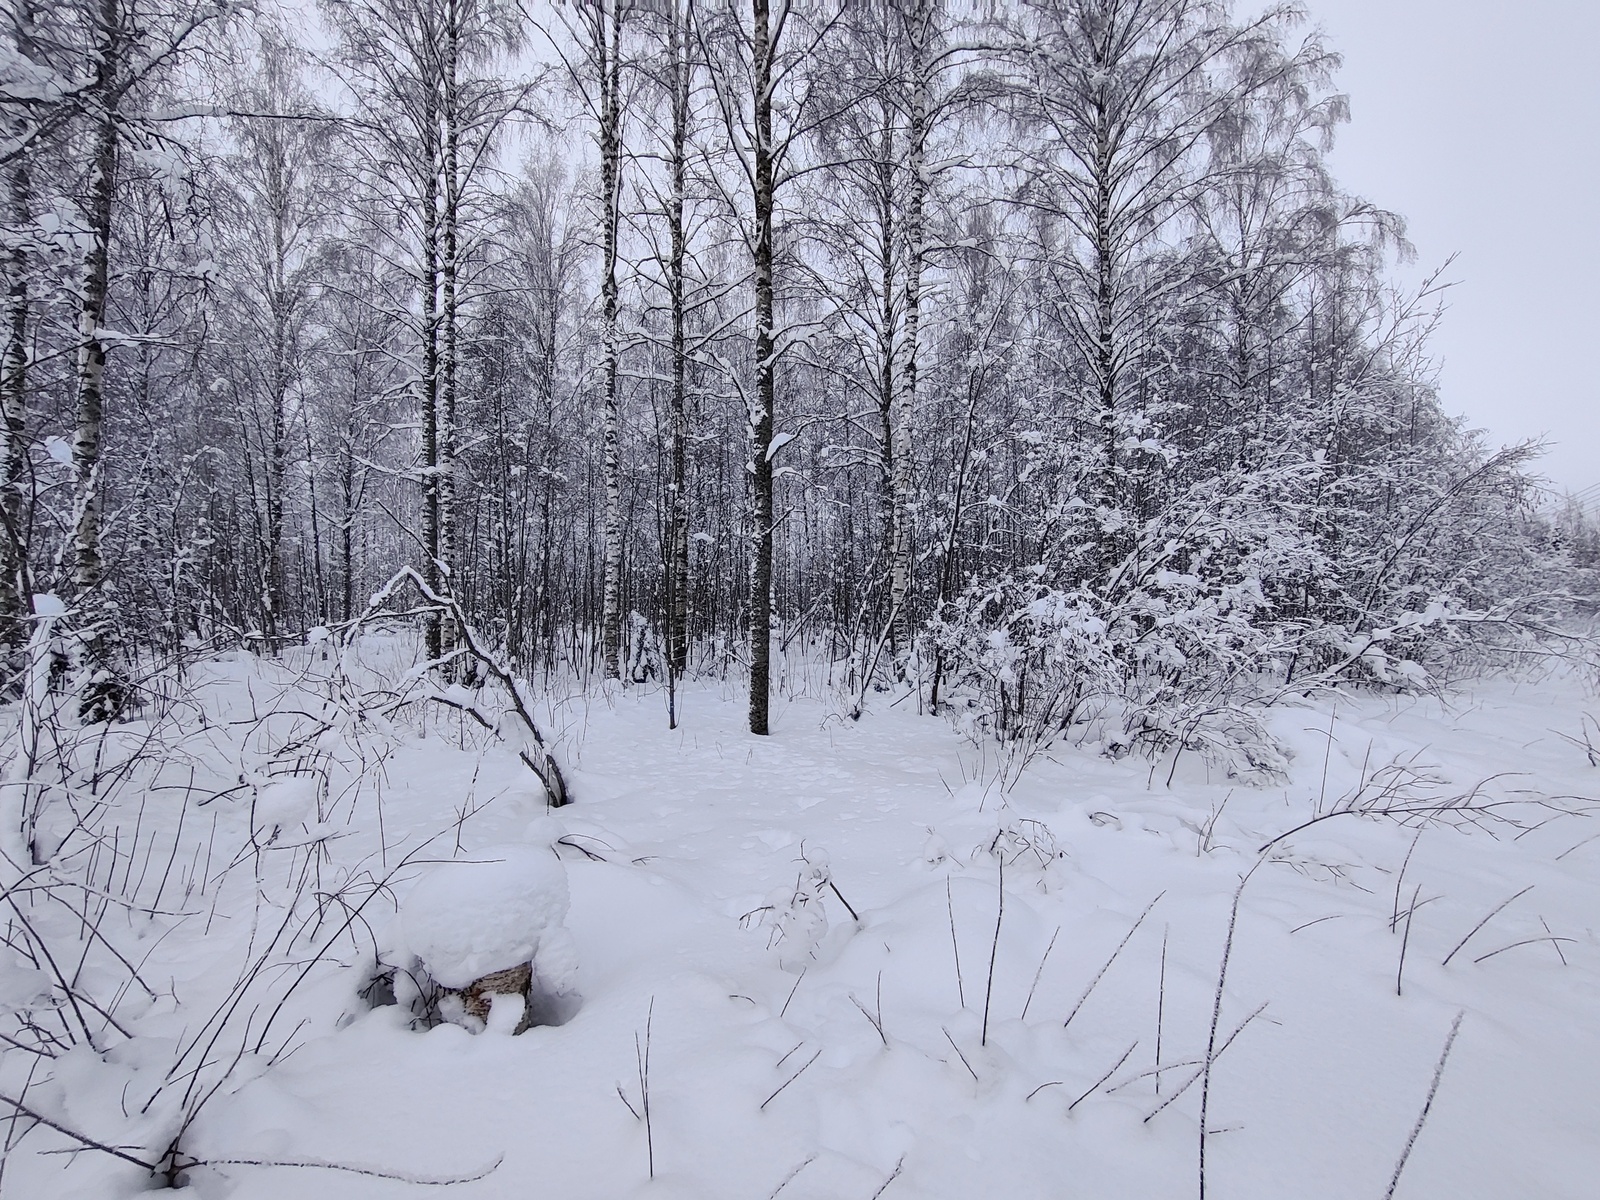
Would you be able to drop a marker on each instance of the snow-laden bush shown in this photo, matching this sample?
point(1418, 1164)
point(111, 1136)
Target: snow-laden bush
point(1173, 632)
point(1170, 649)
point(795, 916)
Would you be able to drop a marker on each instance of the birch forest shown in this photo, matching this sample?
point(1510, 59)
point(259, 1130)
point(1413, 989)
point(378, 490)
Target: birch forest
point(771, 503)
point(1026, 351)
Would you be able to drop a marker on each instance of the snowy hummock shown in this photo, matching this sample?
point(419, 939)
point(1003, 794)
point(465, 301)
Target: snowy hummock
point(489, 912)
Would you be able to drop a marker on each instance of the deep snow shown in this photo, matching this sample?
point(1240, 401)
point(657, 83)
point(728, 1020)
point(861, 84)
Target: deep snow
point(795, 1051)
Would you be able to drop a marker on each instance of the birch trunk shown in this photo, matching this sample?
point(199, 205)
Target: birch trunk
point(608, 53)
point(273, 591)
point(761, 412)
point(922, 30)
point(890, 500)
point(677, 565)
point(103, 695)
point(432, 460)
point(347, 525)
point(14, 590)
point(450, 312)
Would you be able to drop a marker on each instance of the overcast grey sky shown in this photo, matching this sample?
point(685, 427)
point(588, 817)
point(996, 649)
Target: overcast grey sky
point(1479, 121)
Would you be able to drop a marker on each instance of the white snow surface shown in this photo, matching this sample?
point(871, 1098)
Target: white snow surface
point(937, 1048)
point(489, 912)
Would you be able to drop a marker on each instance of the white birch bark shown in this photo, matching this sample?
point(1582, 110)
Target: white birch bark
point(677, 565)
point(606, 50)
point(762, 410)
point(14, 599)
point(449, 314)
point(103, 693)
point(921, 27)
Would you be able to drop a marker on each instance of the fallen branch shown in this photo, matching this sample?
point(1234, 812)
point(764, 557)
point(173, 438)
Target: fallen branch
point(537, 757)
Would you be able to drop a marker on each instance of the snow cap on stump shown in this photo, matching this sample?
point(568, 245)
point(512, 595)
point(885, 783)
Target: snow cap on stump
point(491, 912)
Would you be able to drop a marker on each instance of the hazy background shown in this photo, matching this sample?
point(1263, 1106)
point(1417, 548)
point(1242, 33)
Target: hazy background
point(1479, 121)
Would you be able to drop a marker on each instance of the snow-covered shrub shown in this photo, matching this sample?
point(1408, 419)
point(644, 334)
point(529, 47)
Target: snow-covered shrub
point(795, 916)
point(1029, 848)
point(1168, 649)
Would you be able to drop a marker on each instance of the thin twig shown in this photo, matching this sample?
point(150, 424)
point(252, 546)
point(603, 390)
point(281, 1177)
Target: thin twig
point(643, 1060)
point(350, 1168)
point(88, 1142)
point(789, 1178)
point(955, 946)
point(1394, 919)
point(1317, 921)
point(1554, 941)
point(1036, 975)
point(994, 950)
point(1161, 1003)
point(623, 1097)
point(1433, 1090)
point(1492, 914)
point(1216, 1015)
point(1405, 941)
point(893, 1175)
point(1195, 1078)
point(961, 1056)
point(792, 991)
point(1114, 1068)
point(854, 916)
point(1571, 848)
point(791, 1079)
point(875, 1022)
point(1523, 942)
point(1101, 973)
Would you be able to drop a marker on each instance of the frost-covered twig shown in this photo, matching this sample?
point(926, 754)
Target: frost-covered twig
point(1099, 975)
point(317, 1164)
point(1200, 1063)
point(1422, 1117)
point(893, 1175)
point(1391, 803)
point(1112, 1070)
point(1489, 916)
point(1161, 1003)
point(959, 1055)
point(1038, 973)
point(955, 946)
point(1555, 941)
point(1216, 1014)
point(791, 1079)
point(790, 1177)
point(994, 950)
point(642, 1057)
point(1400, 971)
point(88, 1143)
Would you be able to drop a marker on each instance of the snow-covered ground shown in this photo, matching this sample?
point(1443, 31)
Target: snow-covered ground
point(962, 1036)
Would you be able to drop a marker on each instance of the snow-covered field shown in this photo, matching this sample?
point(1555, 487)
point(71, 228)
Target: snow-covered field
point(984, 1026)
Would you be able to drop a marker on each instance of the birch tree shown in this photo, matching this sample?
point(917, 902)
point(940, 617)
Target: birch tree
point(670, 163)
point(430, 109)
point(597, 28)
point(104, 693)
point(1122, 98)
point(14, 590)
point(280, 193)
point(767, 108)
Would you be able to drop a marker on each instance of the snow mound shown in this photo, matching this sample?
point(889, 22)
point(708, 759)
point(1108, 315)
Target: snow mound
point(288, 801)
point(499, 909)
